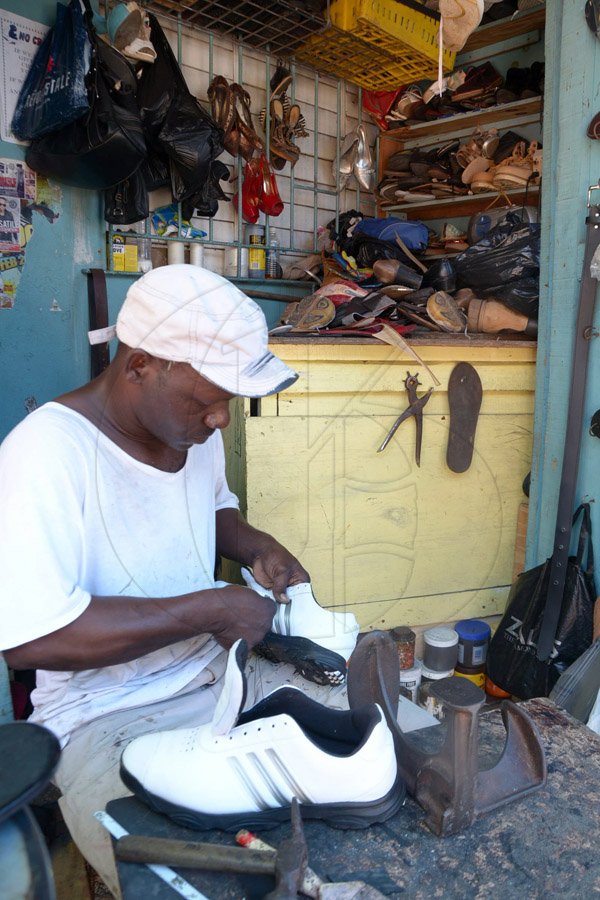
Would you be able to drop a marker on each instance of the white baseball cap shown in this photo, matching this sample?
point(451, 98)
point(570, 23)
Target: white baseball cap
point(185, 313)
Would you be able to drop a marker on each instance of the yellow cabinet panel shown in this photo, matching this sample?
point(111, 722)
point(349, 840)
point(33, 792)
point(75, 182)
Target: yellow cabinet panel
point(393, 542)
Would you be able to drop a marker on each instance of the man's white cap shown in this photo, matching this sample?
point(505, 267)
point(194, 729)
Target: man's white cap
point(187, 314)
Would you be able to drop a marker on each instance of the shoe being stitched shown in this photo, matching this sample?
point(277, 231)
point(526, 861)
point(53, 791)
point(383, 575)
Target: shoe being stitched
point(304, 617)
point(243, 770)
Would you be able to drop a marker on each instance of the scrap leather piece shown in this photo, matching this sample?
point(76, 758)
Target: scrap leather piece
point(464, 398)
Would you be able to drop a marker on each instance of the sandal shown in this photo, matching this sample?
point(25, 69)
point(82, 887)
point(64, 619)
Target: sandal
point(249, 141)
point(223, 112)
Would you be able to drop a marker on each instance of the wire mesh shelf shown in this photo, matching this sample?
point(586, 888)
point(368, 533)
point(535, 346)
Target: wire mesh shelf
point(277, 27)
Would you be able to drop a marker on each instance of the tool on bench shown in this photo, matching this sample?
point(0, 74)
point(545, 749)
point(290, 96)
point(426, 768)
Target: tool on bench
point(448, 784)
point(415, 408)
point(309, 884)
point(288, 864)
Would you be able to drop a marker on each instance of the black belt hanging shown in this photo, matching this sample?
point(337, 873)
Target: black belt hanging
point(570, 466)
point(98, 312)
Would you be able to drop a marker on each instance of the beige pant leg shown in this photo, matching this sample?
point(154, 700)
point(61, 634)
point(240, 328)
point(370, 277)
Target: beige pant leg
point(88, 771)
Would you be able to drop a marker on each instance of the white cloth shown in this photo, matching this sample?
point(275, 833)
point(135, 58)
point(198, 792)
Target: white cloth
point(80, 517)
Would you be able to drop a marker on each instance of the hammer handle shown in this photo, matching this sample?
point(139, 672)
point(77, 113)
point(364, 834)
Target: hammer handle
point(188, 854)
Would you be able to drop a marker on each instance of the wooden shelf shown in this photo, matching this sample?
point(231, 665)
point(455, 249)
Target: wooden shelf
point(466, 205)
point(496, 32)
point(520, 112)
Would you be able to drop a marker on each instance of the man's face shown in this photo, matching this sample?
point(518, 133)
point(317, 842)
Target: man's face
point(2, 207)
point(186, 408)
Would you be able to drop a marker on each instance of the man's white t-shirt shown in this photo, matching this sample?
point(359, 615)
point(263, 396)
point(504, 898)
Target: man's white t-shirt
point(80, 517)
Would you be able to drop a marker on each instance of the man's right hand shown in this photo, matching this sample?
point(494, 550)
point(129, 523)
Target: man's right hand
point(240, 613)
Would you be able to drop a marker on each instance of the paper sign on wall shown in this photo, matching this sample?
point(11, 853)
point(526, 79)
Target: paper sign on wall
point(19, 41)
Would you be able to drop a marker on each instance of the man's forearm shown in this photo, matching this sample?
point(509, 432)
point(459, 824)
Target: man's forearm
point(116, 630)
point(239, 541)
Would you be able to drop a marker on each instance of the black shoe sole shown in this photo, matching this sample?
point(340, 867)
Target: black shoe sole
point(315, 663)
point(344, 816)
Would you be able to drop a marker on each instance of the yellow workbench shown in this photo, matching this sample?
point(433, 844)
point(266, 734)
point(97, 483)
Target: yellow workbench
point(393, 543)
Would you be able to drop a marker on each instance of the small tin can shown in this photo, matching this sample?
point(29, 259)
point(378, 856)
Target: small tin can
point(405, 645)
point(473, 641)
point(476, 674)
point(410, 680)
point(432, 704)
point(440, 648)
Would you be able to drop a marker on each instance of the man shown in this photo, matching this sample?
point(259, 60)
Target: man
point(118, 508)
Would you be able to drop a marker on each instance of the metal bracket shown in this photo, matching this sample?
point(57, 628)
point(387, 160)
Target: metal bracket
point(447, 784)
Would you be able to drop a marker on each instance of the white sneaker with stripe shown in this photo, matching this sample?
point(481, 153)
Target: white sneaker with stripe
point(242, 770)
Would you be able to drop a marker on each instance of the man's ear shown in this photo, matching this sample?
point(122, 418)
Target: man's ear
point(137, 364)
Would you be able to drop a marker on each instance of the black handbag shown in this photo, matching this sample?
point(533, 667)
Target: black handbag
point(106, 145)
point(512, 661)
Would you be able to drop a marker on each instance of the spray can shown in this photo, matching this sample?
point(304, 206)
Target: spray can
point(255, 237)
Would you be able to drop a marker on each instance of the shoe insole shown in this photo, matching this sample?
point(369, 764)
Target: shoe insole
point(464, 399)
point(29, 755)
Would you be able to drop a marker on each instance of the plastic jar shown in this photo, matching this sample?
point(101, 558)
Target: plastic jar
point(473, 642)
point(433, 705)
point(476, 674)
point(405, 645)
point(440, 648)
point(410, 680)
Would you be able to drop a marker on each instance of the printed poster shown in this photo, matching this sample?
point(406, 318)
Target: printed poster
point(19, 41)
point(22, 193)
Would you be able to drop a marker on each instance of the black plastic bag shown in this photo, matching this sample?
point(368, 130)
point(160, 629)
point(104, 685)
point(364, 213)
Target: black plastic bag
point(127, 202)
point(178, 129)
point(107, 145)
point(505, 264)
point(512, 661)
point(54, 92)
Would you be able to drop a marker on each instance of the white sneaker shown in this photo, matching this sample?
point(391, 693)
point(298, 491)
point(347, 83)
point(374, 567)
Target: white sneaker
point(304, 617)
point(340, 764)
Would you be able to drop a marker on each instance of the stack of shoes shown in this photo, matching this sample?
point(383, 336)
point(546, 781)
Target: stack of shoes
point(243, 769)
point(287, 123)
point(230, 108)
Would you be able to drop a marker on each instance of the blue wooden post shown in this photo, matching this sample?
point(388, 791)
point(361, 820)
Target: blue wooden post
point(571, 164)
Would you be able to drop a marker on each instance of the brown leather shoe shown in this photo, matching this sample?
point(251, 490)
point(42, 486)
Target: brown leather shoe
point(392, 271)
point(491, 317)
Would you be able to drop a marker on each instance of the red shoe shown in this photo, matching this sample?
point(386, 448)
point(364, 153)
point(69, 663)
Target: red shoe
point(269, 201)
point(251, 192)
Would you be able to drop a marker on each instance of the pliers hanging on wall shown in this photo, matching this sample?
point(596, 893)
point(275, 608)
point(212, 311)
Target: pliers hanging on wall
point(415, 408)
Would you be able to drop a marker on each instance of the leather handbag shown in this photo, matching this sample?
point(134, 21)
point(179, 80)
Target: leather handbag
point(106, 145)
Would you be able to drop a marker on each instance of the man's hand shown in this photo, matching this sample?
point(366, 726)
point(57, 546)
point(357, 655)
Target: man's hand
point(240, 613)
point(272, 565)
point(275, 568)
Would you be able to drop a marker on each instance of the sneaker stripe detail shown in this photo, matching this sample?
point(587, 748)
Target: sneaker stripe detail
point(280, 797)
point(287, 775)
point(249, 784)
point(287, 616)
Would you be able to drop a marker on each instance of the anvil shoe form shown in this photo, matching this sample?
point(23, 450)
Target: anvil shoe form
point(243, 770)
point(304, 617)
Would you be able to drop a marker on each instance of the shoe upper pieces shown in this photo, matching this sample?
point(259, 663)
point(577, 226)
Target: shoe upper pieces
point(304, 617)
point(243, 769)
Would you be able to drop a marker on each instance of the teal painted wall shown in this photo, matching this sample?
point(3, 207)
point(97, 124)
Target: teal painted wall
point(44, 351)
point(571, 165)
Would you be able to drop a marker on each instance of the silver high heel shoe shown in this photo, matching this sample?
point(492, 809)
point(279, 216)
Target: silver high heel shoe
point(364, 167)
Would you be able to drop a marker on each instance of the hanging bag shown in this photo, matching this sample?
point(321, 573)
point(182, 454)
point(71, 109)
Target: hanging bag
point(512, 661)
point(105, 146)
point(54, 92)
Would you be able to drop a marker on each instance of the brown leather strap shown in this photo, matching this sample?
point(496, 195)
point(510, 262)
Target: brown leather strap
point(570, 466)
point(98, 311)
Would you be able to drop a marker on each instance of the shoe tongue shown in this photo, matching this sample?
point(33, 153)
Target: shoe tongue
point(233, 695)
